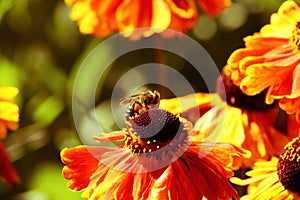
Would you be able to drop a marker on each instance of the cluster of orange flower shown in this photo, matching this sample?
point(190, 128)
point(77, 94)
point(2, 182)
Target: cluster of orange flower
point(102, 18)
point(179, 162)
point(260, 81)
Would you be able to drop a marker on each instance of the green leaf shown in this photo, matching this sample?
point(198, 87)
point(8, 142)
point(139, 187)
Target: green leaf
point(5, 6)
point(47, 179)
point(48, 110)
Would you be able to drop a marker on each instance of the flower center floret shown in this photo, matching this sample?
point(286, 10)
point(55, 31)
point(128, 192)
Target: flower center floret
point(233, 95)
point(288, 167)
point(296, 36)
point(154, 129)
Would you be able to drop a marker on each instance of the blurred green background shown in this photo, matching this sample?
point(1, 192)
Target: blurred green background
point(40, 51)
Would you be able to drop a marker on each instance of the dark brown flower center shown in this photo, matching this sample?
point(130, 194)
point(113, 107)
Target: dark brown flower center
point(154, 129)
point(236, 98)
point(288, 167)
point(296, 36)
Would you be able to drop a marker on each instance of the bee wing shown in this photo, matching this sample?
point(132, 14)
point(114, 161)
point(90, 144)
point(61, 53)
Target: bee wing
point(129, 99)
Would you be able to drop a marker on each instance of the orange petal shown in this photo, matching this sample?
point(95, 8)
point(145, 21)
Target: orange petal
point(259, 77)
point(214, 7)
point(223, 152)
point(184, 16)
point(197, 175)
point(105, 11)
point(291, 106)
point(133, 14)
point(185, 9)
point(81, 162)
point(261, 43)
point(161, 185)
point(3, 129)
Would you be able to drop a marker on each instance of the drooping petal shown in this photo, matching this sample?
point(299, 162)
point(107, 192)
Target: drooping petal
point(110, 137)
point(291, 106)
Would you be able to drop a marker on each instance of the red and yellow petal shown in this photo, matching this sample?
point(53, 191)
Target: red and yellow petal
point(160, 188)
point(129, 13)
point(259, 42)
point(214, 7)
point(184, 16)
point(191, 106)
point(9, 110)
point(105, 12)
point(224, 153)
point(190, 177)
point(101, 18)
point(81, 162)
point(251, 130)
point(256, 47)
point(271, 57)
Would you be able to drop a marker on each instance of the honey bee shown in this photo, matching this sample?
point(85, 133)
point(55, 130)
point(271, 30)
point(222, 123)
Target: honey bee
point(138, 103)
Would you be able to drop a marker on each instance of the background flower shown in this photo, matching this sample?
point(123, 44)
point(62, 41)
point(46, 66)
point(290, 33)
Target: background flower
point(9, 111)
point(102, 18)
point(9, 118)
point(245, 121)
point(277, 178)
point(271, 59)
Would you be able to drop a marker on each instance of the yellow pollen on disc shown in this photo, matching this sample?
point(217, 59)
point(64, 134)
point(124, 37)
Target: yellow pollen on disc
point(292, 152)
point(296, 36)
